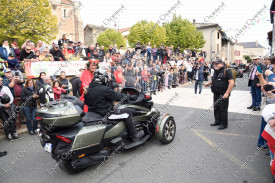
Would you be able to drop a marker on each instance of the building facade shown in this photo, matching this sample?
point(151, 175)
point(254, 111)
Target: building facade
point(214, 40)
point(91, 33)
point(69, 20)
point(253, 49)
point(237, 54)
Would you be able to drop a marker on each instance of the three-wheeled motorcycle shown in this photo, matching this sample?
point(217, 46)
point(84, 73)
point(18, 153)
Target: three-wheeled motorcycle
point(77, 140)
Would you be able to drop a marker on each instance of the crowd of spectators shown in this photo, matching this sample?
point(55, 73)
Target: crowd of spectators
point(153, 69)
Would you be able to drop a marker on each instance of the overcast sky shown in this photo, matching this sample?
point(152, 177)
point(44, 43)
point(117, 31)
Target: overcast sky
point(233, 14)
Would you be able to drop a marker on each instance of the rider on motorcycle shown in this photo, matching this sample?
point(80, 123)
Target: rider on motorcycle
point(99, 98)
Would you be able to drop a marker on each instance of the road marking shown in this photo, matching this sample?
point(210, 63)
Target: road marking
point(223, 133)
point(228, 155)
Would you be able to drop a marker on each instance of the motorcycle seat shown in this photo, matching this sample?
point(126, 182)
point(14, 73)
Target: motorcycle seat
point(92, 117)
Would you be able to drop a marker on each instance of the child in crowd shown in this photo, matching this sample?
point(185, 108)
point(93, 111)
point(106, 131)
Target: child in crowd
point(57, 90)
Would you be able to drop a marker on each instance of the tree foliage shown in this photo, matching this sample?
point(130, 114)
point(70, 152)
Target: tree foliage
point(184, 33)
point(111, 36)
point(248, 59)
point(145, 32)
point(28, 19)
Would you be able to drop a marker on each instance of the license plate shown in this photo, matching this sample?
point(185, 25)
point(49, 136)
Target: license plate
point(48, 147)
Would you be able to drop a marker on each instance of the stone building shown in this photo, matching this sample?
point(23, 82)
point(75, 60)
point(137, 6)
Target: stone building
point(253, 49)
point(69, 20)
point(216, 41)
point(91, 33)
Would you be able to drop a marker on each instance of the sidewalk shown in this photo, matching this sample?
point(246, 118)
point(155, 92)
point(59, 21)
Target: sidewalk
point(238, 101)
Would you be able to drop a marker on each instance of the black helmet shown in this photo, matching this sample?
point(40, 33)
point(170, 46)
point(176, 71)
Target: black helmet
point(100, 77)
point(5, 99)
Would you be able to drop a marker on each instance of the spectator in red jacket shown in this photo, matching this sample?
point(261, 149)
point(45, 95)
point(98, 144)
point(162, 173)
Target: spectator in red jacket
point(57, 90)
point(66, 51)
point(86, 78)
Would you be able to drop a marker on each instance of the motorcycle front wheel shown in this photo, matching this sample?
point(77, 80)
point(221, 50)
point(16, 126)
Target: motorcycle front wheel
point(169, 131)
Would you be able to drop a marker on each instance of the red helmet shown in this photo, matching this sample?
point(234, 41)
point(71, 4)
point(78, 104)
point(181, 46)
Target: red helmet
point(93, 62)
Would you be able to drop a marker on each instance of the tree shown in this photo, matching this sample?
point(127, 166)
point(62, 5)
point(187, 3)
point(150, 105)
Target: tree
point(182, 32)
point(248, 59)
point(28, 19)
point(145, 32)
point(111, 36)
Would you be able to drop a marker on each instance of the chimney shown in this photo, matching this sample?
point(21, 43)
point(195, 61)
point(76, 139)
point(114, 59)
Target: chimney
point(194, 22)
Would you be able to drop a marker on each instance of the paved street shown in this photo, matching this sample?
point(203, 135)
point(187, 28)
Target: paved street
point(200, 153)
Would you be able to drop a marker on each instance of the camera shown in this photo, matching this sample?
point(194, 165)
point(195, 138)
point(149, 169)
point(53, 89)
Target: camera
point(268, 87)
point(16, 73)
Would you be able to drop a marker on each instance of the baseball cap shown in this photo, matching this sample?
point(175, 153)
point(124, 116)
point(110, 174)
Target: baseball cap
point(218, 61)
point(7, 70)
point(256, 58)
point(11, 55)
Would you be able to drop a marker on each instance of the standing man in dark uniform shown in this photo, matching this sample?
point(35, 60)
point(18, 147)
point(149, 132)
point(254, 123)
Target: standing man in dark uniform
point(221, 85)
point(62, 41)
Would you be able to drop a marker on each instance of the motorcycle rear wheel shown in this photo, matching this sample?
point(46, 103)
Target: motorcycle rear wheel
point(66, 166)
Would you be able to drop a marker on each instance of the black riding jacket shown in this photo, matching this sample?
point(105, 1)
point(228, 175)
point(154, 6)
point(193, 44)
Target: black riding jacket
point(99, 98)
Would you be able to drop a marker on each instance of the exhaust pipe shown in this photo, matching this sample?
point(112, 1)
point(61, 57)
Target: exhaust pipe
point(90, 160)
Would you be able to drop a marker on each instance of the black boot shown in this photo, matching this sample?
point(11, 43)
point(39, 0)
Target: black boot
point(15, 136)
point(214, 124)
point(256, 108)
point(10, 138)
point(3, 153)
point(221, 127)
point(137, 136)
point(250, 107)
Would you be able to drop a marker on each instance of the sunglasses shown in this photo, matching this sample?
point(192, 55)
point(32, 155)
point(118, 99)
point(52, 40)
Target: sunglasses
point(28, 49)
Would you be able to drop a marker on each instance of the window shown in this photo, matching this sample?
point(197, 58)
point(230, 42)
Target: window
point(65, 16)
point(218, 35)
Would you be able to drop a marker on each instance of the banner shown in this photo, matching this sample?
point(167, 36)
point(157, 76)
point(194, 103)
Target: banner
point(33, 69)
